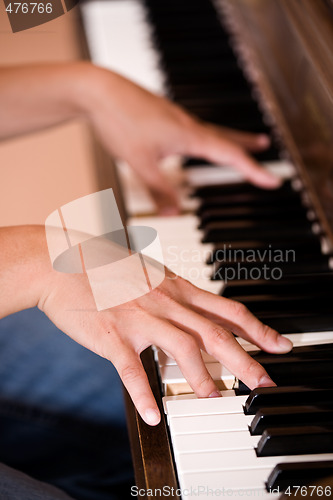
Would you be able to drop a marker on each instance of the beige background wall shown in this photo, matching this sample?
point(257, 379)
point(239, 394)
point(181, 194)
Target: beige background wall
point(42, 171)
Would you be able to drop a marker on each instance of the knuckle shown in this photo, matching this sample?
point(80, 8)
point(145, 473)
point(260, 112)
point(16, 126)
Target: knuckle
point(130, 374)
point(251, 369)
point(266, 333)
point(219, 334)
point(239, 309)
point(160, 294)
point(188, 346)
point(202, 384)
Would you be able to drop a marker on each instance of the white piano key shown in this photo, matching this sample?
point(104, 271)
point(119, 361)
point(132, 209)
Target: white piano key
point(174, 375)
point(209, 423)
point(228, 393)
point(192, 443)
point(164, 360)
point(171, 374)
point(119, 38)
point(212, 175)
point(298, 339)
point(239, 460)
point(225, 480)
point(207, 492)
point(183, 252)
point(179, 406)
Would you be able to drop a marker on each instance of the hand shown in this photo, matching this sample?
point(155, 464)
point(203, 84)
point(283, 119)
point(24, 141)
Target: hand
point(142, 129)
point(177, 317)
point(133, 124)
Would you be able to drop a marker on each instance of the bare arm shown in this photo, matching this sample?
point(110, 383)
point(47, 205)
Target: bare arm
point(33, 98)
point(133, 124)
point(176, 316)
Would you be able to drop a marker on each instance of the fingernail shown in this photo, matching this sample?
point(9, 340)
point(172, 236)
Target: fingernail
point(285, 344)
point(273, 181)
point(264, 140)
point(169, 211)
point(152, 417)
point(215, 394)
point(266, 381)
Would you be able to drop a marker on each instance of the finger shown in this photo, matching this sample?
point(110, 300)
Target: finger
point(222, 345)
point(184, 349)
point(162, 192)
point(237, 318)
point(249, 141)
point(216, 149)
point(134, 378)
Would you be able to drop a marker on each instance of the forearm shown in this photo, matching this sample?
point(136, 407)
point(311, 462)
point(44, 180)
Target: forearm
point(24, 267)
point(37, 97)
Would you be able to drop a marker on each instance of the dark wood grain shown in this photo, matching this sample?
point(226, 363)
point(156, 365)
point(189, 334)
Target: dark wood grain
point(151, 451)
point(285, 48)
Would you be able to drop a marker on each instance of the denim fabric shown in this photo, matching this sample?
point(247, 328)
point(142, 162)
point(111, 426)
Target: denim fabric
point(15, 484)
point(62, 417)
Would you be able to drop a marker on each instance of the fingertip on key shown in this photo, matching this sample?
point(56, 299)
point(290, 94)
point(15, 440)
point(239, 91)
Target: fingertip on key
point(266, 381)
point(215, 394)
point(263, 140)
point(285, 345)
point(152, 417)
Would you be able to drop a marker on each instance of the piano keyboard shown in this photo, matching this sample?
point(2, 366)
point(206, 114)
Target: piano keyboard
point(124, 23)
point(217, 447)
point(215, 442)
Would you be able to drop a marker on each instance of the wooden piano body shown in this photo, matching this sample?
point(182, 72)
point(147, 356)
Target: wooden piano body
point(285, 47)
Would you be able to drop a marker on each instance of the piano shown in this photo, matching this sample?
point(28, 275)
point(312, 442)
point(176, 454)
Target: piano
point(263, 66)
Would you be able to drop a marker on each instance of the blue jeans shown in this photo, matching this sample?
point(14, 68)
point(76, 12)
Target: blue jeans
point(62, 417)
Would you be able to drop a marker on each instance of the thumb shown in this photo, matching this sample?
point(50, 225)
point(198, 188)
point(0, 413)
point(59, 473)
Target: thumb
point(159, 187)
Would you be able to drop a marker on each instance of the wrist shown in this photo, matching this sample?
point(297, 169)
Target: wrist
point(87, 90)
point(25, 267)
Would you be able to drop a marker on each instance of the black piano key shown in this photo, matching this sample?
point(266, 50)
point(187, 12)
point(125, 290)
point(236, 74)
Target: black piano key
point(252, 271)
point(305, 371)
point(224, 99)
point(187, 24)
point(300, 366)
point(267, 198)
point(316, 351)
point(295, 441)
point(243, 187)
point(192, 90)
point(270, 213)
point(228, 112)
point(297, 285)
point(265, 232)
point(191, 58)
point(270, 154)
point(227, 252)
point(310, 395)
point(270, 271)
point(289, 417)
point(197, 49)
point(290, 254)
point(289, 303)
point(179, 76)
point(299, 323)
point(286, 475)
point(208, 66)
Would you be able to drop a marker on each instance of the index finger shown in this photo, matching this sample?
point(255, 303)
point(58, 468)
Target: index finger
point(237, 318)
point(213, 147)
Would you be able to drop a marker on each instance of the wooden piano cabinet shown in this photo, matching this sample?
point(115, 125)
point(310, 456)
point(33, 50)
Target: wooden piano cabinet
point(151, 451)
point(285, 48)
